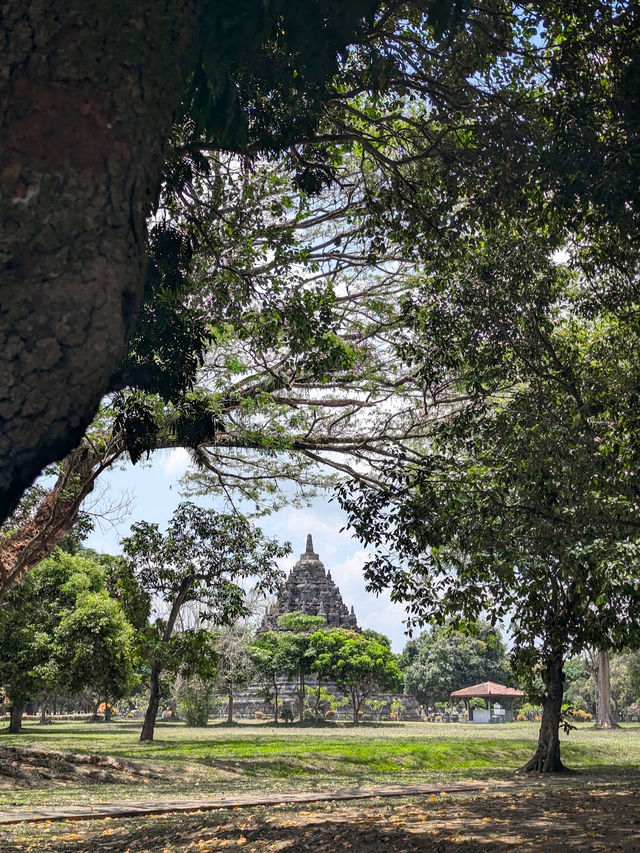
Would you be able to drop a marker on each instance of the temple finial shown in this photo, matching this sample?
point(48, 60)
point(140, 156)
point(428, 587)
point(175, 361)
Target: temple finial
point(309, 549)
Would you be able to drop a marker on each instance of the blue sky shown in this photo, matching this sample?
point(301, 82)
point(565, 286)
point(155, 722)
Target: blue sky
point(155, 492)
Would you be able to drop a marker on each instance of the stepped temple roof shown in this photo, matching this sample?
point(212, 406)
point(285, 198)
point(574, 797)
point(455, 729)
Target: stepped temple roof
point(311, 590)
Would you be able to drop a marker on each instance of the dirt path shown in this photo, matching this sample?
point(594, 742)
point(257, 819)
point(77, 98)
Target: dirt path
point(100, 811)
point(566, 816)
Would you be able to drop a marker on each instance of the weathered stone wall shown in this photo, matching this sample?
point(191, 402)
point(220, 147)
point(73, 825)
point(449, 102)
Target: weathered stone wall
point(249, 703)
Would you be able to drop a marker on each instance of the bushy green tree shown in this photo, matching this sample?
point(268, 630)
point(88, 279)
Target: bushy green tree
point(446, 660)
point(202, 558)
point(60, 630)
point(270, 655)
point(525, 502)
point(297, 629)
point(93, 648)
point(358, 665)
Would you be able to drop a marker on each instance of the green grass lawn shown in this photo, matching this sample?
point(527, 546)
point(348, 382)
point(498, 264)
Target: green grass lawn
point(259, 757)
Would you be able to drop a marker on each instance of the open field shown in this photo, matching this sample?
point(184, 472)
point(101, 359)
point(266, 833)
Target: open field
point(597, 808)
point(259, 757)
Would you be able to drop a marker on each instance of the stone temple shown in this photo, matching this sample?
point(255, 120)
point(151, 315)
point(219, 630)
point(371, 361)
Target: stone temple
point(311, 590)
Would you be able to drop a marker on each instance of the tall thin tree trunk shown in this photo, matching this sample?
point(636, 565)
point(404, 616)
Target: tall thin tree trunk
point(154, 703)
point(43, 711)
point(546, 758)
point(302, 692)
point(154, 687)
point(230, 708)
point(604, 715)
point(15, 720)
point(275, 699)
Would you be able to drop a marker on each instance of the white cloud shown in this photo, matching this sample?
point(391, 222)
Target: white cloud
point(175, 462)
point(377, 612)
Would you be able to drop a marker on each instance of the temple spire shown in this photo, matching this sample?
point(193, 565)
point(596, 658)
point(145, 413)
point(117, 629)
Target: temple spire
point(310, 590)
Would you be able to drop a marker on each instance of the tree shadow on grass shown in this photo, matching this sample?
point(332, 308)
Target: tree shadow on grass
point(541, 819)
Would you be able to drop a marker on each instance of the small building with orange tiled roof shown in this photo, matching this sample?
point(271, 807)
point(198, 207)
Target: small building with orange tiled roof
point(491, 692)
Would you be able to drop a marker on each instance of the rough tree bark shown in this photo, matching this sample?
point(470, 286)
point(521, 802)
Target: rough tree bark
point(15, 718)
point(88, 93)
point(604, 715)
point(546, 758)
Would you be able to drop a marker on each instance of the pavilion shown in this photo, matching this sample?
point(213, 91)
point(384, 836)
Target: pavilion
point(490, 692)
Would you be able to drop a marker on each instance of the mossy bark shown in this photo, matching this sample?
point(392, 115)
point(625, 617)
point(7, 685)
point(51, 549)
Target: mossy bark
point(88, 94)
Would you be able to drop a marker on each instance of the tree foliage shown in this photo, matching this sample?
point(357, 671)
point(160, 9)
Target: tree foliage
point(202, 559)
point(62, 632)
point(441, 661)
point(358, 665)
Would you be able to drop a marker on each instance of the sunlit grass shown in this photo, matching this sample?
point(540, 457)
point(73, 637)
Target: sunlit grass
point(260, 757)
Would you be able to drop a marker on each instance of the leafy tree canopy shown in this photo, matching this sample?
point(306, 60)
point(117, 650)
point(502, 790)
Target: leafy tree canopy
point(61, 630)
point(359, 665)
point(443, 660)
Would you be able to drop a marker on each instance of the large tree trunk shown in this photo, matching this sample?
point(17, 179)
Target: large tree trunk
point(546, 758)
point(88, 92)
point(15, 719)
point(604, 716)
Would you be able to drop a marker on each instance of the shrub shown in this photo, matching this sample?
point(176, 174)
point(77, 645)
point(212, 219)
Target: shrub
point(195, 701)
